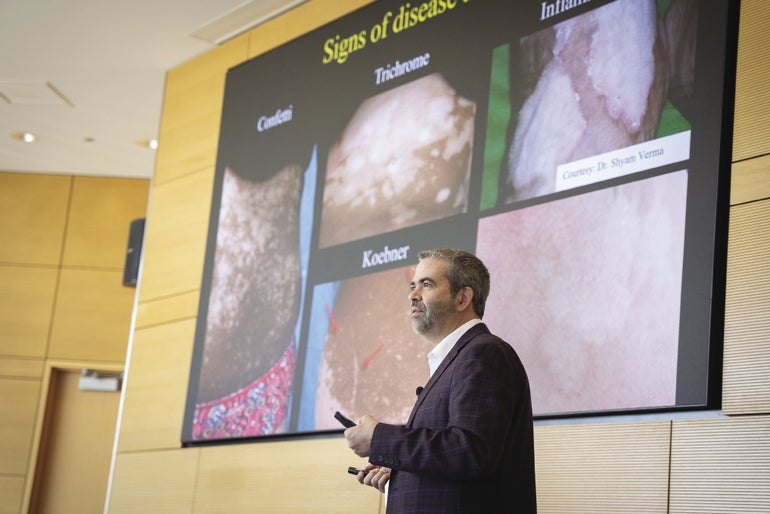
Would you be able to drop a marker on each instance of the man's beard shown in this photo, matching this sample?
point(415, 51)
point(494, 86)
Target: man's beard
point(431, 315)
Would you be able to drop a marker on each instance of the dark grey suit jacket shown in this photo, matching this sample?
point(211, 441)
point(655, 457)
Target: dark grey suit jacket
point(468, 445)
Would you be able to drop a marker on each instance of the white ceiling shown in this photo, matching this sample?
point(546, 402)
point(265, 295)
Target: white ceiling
point(87, 76)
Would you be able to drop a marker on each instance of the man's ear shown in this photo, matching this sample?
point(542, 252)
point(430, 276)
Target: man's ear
point(464, 298)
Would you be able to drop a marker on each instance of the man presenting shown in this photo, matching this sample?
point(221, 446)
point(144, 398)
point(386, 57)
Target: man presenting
point(468, 444)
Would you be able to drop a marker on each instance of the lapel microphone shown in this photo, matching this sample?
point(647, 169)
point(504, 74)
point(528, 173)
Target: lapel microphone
point(419, 390)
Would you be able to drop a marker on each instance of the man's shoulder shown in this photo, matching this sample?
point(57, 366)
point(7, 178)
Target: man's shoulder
point(480, 334)
point(480, 340)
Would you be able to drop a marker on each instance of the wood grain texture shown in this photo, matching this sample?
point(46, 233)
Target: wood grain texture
point(603, 468)
point(168, 309)
point(750, 180)
point(18, 421)
point(721, 466)
point(92, 316)
point(752, 89)
point(156, 387)
point(99, 218)
point(746, 361)
point(11, 367)
point(162, 481)
point(11, 491)
point(175, 236)
point(192, 107)
point(274, 476)
point(33, 216)
point(26, 305)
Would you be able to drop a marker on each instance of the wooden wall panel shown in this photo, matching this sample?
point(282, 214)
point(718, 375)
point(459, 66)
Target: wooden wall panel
point(182, 159)
point(33, 214)
point(596, 468)
point(21, 368)
point(192, 107)
point(721, 465)
point(170, 308)
point(293, 24)
point(17, 412)
point(156, 387)
point(752, 91)
point(750, 180)
point(11, 491)
point(175, 236)
point(196, 75)
point(99, 218)
point(26, 303)
point(746, 379)
point(155, 482)
point(92, 317)
point(281, 476)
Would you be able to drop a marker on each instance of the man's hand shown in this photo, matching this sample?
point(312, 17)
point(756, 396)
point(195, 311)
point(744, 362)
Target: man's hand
point(375, 476)
point(359, 437)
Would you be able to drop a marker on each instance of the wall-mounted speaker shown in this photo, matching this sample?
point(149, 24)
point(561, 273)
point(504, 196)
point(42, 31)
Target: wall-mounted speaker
point(133, 252)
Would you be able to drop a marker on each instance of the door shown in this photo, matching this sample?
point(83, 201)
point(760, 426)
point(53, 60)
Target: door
point(75, 448)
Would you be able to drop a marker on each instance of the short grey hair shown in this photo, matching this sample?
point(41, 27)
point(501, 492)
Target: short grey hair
point(465, 270)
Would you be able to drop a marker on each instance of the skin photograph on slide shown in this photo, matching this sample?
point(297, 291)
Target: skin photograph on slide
point(246, 375)
point(403, 159)
point(592, 295)
point(362, 354)
point(597, 96)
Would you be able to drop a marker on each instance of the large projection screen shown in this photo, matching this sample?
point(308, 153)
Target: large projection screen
point(580, 148)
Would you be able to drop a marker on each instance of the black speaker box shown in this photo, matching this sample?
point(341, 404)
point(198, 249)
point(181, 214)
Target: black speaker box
point(133, 252)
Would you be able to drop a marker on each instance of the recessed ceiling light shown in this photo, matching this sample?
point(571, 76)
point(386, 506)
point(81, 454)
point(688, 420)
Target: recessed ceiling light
point(152, 144)
point(27, 137)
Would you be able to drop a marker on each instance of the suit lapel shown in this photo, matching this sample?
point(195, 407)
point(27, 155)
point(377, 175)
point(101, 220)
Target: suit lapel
point(472, 332)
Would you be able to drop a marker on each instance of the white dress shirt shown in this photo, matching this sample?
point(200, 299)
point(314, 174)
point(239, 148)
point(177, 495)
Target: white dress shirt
point(442, 349)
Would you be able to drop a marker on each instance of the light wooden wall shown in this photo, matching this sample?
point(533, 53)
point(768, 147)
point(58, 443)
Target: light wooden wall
point(705, 464)
point(62, 252)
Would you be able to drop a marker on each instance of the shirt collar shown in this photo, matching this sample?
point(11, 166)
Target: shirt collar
point(443, 348)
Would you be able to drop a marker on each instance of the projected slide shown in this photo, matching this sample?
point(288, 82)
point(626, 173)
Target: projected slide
point(577, 147)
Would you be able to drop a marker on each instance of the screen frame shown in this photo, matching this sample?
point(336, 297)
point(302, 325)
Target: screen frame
point(709, 296)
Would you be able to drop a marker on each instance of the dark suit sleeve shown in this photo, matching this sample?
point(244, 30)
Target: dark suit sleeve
point(464, 427)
